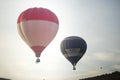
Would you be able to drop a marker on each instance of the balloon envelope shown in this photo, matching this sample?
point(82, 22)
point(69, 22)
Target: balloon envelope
point(73, 48)
point(37, 27)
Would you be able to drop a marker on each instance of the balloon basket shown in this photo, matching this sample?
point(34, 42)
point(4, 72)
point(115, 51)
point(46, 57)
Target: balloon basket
point(37, 60)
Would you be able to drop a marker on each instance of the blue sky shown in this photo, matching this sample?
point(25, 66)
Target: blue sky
point(97, 21)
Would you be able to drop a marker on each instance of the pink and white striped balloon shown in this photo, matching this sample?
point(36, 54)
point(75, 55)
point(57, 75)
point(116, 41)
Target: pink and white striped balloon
point(37, 27)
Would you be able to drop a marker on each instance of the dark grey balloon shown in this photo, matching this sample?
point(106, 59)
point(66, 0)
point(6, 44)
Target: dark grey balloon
point(73, 48)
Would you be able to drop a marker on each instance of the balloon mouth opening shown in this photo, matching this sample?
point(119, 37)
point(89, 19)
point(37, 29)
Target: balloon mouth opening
point(37, 60)
point(74, 68)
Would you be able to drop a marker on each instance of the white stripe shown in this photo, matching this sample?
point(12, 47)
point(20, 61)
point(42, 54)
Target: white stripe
point(73, 52)
point(38, 32)
point(21, 33)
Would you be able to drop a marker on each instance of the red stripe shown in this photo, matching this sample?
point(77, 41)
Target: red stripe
point(37, 14)
point(37, 50)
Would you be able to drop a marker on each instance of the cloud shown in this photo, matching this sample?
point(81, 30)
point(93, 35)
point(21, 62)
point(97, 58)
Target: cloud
point(110, 56)
point(116, 67)
point(108, 60)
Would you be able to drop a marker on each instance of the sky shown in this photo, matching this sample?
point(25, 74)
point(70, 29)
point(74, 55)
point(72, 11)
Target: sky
point(96, 21)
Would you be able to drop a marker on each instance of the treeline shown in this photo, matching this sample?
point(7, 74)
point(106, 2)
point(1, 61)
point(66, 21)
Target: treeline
point(111, 76)
point(4, 79)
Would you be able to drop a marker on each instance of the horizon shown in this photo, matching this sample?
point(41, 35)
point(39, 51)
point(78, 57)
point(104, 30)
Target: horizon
point(96, 21)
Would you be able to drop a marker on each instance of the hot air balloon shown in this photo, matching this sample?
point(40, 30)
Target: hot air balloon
point(37, 27)
point(73, 48)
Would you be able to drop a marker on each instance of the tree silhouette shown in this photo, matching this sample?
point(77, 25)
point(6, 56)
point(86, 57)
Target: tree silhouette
point(111, 76)
point(4, 79)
